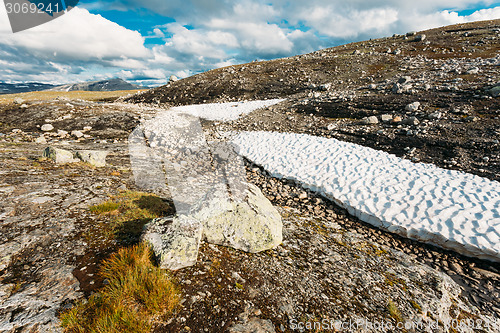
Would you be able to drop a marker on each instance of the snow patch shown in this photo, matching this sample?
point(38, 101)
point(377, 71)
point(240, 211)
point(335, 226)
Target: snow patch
point(224, 111)
point(451, 209)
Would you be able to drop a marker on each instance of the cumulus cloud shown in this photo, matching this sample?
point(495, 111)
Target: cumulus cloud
point(75, 36)
point(67, 46)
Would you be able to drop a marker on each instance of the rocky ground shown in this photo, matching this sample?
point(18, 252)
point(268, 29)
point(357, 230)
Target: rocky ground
point(330, 266)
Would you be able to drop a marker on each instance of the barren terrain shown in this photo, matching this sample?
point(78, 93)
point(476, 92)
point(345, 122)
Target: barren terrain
point(330, 266)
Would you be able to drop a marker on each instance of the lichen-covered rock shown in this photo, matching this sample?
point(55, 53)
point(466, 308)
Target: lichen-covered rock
point(253, 225)
point(60, 156)
point(93, 157)
point(174, 240)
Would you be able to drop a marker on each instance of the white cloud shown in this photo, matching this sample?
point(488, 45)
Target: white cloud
point(332, 22)
point(484, 14)
point(199, 42)
point(77, 35)
point(77, 46)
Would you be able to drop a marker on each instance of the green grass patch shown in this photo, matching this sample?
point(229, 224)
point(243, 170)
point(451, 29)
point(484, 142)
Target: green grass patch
point(129, 211)
point(138, 294)
point(105, 207)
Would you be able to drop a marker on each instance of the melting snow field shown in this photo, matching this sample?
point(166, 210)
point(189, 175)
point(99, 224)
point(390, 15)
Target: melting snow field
point(451, 209)
point(225, 111)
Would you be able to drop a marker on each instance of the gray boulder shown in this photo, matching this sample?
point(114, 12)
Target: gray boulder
point(372, 120)
point(60, 156)
point(47, 127)
point(77, 134)
point(386, 118)
point(420, 38)
point(93, 157)
point(174, 240)
point(253, 225)
point(413, 107)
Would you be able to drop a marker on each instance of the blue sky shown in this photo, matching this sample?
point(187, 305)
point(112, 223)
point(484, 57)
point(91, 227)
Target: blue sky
point(146, 41)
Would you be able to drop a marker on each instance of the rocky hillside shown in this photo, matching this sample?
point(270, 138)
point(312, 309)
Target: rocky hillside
point(443, 54)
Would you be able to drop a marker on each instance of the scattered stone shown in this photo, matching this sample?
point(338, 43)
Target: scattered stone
point(61, 133)
point(41, 139)
point(456, 267)
point(404, 80)
point(325, 87)
point(420, 38)
point(413, 107)
point(331, 127)
point(47, 127)
point(397, 119)
point(24, 106)
point(93, 157)
point(386, 118)
point(248, 322)
point(18, 100)
point(474, 70)
point(87, 128)
point(77, 134)
point(173, 78)
point(411, 121)
point(372, 120)
point(60, 156)
point(435, 115)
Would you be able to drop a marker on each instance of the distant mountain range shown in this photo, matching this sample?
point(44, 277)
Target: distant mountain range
point(104, 85)
point(15, 88)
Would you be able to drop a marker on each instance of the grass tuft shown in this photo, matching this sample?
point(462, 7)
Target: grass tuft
point(138, 293)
